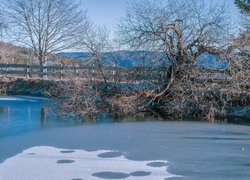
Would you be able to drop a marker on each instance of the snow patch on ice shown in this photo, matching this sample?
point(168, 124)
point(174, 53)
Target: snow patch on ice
point(50, 163)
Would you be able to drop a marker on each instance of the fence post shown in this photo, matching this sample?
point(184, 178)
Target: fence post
point(7, 69)
point(77, 72)
point(61, 72)
point(27, 71)
point(45, 72)
point(114, 73)
point(93, 73)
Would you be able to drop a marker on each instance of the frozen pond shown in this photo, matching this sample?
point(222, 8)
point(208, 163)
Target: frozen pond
point(137, 150)
point(26, 113)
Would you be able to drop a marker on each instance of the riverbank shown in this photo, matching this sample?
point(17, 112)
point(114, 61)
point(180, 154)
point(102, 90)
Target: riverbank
point(87, 99)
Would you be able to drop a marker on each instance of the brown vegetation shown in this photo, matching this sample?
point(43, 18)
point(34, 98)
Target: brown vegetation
point(180, 31)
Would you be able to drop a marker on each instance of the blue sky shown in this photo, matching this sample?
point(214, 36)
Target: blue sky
point(105, 12)
point(108, 12)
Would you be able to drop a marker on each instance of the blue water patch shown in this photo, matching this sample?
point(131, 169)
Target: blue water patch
point(211, 61)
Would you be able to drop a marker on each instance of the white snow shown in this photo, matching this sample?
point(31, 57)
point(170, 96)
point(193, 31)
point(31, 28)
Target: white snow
point(43, 163)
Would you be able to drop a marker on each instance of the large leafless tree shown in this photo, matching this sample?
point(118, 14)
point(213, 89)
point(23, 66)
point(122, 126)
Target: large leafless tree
point(181, 29)
point(46, 26)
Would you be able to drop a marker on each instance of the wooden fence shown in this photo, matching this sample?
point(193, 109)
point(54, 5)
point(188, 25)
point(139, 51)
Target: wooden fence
point(135, 74)
point(108, 73)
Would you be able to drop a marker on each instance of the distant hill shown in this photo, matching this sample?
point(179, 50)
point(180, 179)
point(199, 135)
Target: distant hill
point(126, 59)
point(130, 59)
point(10, 53)
point(75, 55)
point(14, 54)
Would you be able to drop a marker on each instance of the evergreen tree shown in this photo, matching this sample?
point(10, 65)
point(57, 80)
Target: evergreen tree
point(244, 5)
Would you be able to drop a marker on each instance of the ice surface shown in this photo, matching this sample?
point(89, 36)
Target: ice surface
point(21, 98)
point(50, 163)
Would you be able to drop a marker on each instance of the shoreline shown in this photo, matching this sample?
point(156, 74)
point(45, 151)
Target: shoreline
point(12, 87)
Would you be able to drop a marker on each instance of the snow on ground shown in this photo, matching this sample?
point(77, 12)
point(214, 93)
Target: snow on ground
point(49, 163)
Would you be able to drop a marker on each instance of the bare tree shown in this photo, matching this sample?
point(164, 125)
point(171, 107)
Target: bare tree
point(97, 42)
point(242, 42)
point(46, 26)
point(182, 30)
